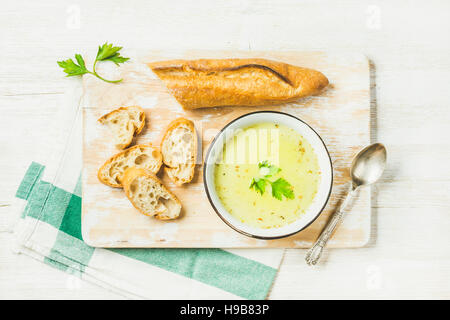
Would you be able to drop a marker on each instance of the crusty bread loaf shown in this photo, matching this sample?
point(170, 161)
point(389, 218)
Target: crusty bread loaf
point(179, 150)
point(149, 196)
point(141, 156)
point(236, 82)
point(124, 123)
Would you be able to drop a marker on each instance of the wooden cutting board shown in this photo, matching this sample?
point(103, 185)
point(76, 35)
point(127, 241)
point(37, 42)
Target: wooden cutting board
point(340, 115)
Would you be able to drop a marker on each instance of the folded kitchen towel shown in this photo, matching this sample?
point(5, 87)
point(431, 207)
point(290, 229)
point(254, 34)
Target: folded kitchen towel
point(48, 202)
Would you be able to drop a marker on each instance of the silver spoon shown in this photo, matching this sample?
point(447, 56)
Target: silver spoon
point(367, 167)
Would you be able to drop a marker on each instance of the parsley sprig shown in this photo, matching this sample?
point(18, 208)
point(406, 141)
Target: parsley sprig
point(106, 52)
point(280, 187)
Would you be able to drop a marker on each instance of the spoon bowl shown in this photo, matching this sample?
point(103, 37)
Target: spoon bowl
point(368, 165)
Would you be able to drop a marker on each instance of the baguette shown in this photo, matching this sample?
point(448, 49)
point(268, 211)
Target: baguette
point(141, 156)
point(149, 196)
point(124, 123)
point(236, 82)
point(179, 151)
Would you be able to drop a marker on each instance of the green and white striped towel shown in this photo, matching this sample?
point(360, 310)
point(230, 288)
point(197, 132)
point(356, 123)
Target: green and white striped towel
point(48, 202)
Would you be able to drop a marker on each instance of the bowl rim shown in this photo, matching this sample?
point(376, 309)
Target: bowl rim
point(206, 186)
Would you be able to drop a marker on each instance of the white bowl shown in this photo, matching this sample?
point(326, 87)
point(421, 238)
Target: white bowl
point(319, 201)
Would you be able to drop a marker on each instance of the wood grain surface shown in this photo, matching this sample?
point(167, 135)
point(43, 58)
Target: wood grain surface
point(340, 114)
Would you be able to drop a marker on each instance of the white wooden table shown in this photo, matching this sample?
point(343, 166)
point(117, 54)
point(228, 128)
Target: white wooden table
point(407, 43)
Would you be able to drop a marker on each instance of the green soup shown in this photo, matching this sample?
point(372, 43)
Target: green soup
point(242, 155)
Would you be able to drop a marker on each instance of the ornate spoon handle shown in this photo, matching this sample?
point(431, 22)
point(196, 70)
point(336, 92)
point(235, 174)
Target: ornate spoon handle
point(313, 254)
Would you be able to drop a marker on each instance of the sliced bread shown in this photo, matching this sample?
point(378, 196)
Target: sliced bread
point(124, 123)
point(149, 196)
point(179, 150)
point(141, 156)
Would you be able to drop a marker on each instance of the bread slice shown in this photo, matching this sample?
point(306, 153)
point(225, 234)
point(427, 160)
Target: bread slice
point(149, 196)
point(236, 82)
point(141, 156)
point(124, 123)
point(179, 150)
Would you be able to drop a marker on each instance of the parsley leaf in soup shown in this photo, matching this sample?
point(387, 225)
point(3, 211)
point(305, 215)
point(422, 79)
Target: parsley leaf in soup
point(259, 185)
point(280, 188)
point(267, 170)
